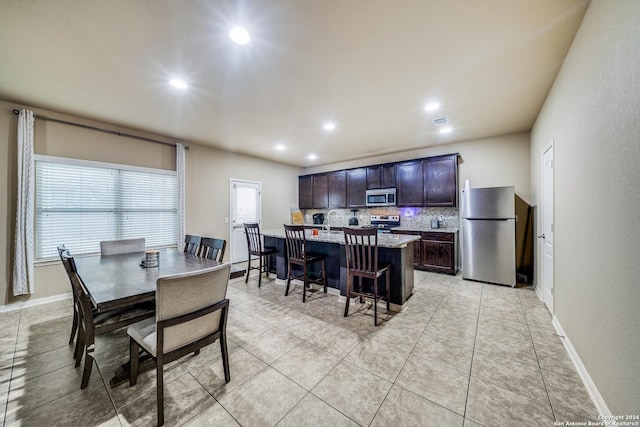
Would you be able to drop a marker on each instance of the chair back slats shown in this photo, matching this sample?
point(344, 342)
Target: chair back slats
point(362, 250)
point(80, 294)
point(212, 248)
point(192, 244)
point(115, 247)
point(254, 241)
point(186, 293)
point(295, 241)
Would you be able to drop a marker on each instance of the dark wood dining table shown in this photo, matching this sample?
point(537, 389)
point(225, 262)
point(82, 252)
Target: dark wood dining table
point(119, 281)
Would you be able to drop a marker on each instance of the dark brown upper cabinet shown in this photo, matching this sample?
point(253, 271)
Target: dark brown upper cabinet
point(356, 188)
point(305, 192)
point(409, 176)
point(320, 191)
point(338, 189)
point(441, 181)
point(381, 176)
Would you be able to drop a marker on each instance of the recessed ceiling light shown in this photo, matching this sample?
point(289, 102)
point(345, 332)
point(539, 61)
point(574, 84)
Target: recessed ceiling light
point(329, 126)
point(178, 83)
point(239, 35)
point(312, 157)
point(432, 106)
point(446, 129)
point(280, 147)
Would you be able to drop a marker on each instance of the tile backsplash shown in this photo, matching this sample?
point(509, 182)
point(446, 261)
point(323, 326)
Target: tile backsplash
point(420, 218)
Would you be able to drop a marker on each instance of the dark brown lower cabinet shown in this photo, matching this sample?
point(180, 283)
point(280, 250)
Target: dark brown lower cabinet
point(434, 251)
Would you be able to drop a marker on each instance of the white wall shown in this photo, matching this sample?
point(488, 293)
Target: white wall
point(593, 114)
point(208, 172)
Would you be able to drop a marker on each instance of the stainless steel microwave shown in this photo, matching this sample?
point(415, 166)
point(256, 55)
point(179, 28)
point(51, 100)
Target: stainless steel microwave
point(381, 197)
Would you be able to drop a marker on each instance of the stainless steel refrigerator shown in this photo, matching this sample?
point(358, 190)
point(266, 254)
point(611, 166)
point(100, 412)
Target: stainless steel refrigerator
point(488, 232)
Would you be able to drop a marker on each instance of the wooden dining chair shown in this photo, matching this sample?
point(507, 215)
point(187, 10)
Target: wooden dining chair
point(191, 244)
point(191, 312)
point(297, 254)
point(361, 246)
point(254, 246)
point(74, 321)
point(91, 322)
point(125, 246)
point(212, 248)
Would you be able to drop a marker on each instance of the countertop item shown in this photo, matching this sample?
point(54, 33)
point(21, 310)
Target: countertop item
point(385, 240)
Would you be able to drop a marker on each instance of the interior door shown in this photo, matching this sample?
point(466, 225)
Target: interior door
point(547, 227)
point(246, 203)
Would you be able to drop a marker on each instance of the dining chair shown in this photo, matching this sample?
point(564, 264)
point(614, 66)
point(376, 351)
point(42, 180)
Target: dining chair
point(297, 254)
point(212, 248)
point(191, 244)
point(361, 246)
point(91, 322)
point(191, 312)
point(125, 246)
point(74, 321)
point(255, 248)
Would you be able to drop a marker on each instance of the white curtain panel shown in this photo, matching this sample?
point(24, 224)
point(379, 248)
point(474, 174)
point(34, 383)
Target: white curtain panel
point(23, 263)
point(180, 171)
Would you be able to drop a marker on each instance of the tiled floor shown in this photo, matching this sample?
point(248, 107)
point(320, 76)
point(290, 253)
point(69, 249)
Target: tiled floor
point(461, 354)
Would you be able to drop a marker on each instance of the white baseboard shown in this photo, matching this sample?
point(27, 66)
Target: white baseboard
point(597, 399)
point(538, 291)
point(33, 302)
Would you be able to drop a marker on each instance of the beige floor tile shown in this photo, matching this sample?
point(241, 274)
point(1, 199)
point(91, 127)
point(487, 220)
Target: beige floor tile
point(245, 329)
point(313, 412)
point(554, 358)
point(272, 344)
point(491, 405)
point(335, 340)
point(242, 366)
point(380, 359)
point(263, 400)
point(404, 408)
point(517, 349)
point(42, 363)
point(569, 395)
point(353, 391)
point(515, 376)
point(183, 399)
point(453, 353)
point(435, 382)
point(302, 326)
point(213, 416)
point(306, 365)
point(89, 407)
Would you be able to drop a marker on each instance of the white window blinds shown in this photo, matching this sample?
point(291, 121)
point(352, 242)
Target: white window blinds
point(246, 204)
point(81, 203)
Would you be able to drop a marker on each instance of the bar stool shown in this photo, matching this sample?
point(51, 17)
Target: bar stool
point(254, 246)
point(297, 255)
point(361, 247)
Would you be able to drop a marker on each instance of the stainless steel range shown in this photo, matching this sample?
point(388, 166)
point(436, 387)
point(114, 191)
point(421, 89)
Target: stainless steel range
point(385, 222)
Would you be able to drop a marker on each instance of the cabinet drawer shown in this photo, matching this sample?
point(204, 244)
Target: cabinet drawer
point(440, 237)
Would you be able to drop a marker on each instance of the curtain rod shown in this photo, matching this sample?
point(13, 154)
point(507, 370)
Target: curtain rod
point(113, 132)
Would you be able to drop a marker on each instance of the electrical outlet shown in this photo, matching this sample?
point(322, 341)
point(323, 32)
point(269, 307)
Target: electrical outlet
point(440, 217)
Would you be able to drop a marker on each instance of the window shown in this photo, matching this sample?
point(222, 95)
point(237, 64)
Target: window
point(80, 203)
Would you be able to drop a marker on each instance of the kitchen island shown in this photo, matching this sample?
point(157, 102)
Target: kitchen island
point(393, 249)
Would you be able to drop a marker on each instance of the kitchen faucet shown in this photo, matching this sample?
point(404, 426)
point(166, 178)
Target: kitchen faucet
point(328, 219)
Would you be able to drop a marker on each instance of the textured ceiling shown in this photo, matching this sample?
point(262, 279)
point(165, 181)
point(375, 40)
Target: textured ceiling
point(368, 65)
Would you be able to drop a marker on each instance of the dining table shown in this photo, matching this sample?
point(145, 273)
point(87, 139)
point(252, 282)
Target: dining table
point(115, 282)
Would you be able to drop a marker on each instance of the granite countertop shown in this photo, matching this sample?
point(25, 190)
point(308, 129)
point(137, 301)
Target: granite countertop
point(385, 240)
point(427, 229)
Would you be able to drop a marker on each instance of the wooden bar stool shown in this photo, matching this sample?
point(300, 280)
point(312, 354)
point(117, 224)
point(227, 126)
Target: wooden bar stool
point(361, 245)
point(297, 255)
point(254, 246)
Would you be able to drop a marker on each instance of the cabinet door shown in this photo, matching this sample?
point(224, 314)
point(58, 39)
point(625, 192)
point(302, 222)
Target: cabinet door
point(356, 188)
point(320, 191)
point(338, 189)
point(437, 255)
point(410, 190)
point(388, 176)
point(373, 177)
point(305, 192)
point(441, 181)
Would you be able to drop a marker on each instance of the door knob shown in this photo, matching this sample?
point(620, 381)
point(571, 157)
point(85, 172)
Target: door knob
point(540, 236)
